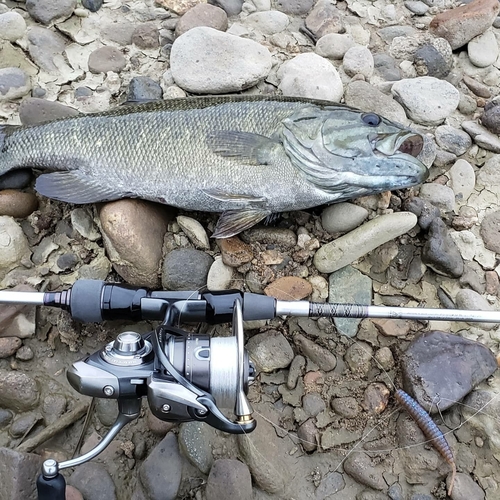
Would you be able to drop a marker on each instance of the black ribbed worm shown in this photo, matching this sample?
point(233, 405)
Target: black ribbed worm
point(430, 430)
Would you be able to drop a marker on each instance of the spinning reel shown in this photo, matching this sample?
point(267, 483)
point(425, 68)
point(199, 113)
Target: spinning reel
point(184, 376)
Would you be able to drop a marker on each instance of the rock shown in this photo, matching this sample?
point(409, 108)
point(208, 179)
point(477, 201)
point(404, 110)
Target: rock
point(334, 438)
point(334, 45)
point(308, 435)
point(23, 424)
point(160, 473)
point(145, 36)
point(25, 353)
point(204, 61)
point(194, 231)
point(180, 7)
point(14, 83)
point(467, 364)
point(490, 231)
point(386, 67)
point(438, 195)
point(34, 111)
point(368, 98)
point(133, 232)
point(295, 76)
point(462, 180)
point(317, 354)
point(358, 357)
point(358, 60)
point(235, 252)
point(18, 391)
point(483, 49)
point(285, 238)
point(471, 300)
point(418, 8)
point(467, 105)
point(12, 26)
point(462, 24)
point(313, 404)
point(93, 481)
point(268, 22)
point(323, 19)
point(295, 371)
point(16, 179)
point(348, 285)
point(9, 346)
point(156, 426)
point(452, 139)
point(434, 59)
point(465, 488)
point(186, 269)
point(331, 483)
point(342, 217)
point(48, 11)
point(392, 327)
point(195, 442)
point(359, 467)
point(118, 32)
point(424, 210)
point(230, 7)
point(219, 276)
point(229, 479)
point(346, 249)
point(17, 204)
point(481, 136)
point(202, 15)
point(427, 100)
point(295, 7)
point(390, 32)
point(92, 5)
point(289, 288)
point(491, 116)
point(106, 59)
point(13, 245)
point(83, 223)
point(270, 351)
point(376, 398)
point(478, 88)
point(143, 88)
point(347, 407)
point(384, 358)
point(18, 474)
point(441, 253)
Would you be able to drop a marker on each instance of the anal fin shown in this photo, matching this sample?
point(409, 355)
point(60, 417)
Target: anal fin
point(71, 188)
point(232, 222)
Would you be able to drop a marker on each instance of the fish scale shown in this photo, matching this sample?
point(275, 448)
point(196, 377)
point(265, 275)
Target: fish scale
point(245, 156)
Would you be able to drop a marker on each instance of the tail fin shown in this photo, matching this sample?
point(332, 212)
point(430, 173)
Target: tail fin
point(5, 132)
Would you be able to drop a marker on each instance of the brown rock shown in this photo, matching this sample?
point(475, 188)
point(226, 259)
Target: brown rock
point(73, 494)
point(478, 88)
point(106, 59)
point(9, 346)
point(17, 204)
point(202, 15)
point(492, 282)
point(133, 232)
point(146, 36)
point(18, 474)
point(308, 435)
point(392, 327)
point(490, 231)
point(325, 359)
point(376, 398)
point(234, 252)
point(462, 24)
point(289, 288)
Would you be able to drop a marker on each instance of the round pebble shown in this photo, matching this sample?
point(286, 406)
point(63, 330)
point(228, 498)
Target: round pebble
point(202, 14)
point(142, 88)
point(219, 276)
point(267, 23)
point(491, 116)
point(146, 36)
point(334, 45)
point(342, 217)
point(186, 269)
point(92, 5)
point(106, 59)
point(14, 83)
point(48, 11)
point(452, 139)
point(483, 49)
point(358, 60)
point(17, 204)
point(462, 180)
point(12, 26)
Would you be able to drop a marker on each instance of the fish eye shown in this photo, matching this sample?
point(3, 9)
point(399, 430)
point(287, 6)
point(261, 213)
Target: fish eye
point(371, 119)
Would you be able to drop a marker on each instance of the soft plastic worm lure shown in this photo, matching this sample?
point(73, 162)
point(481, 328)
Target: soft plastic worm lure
point(430, 430)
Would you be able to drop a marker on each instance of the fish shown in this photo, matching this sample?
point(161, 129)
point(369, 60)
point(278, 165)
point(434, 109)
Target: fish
point(246, 157)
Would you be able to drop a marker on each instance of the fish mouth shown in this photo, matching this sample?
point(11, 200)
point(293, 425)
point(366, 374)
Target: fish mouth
point(405, 143)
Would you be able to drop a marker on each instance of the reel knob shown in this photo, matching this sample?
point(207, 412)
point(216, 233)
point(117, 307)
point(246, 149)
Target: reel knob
point(128, 349)
point(128, 343)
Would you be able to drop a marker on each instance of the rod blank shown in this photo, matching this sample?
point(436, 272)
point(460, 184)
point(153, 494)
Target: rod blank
point(26, 298)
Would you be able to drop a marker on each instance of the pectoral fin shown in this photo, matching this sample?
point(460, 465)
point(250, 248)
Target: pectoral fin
point(235, 197)
point(233, 222)
point(71, 188)
point(254, 148)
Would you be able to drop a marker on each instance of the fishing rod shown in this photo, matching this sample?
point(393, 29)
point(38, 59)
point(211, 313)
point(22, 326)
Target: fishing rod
point(184, 376)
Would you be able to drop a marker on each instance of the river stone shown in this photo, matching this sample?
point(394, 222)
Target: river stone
point(12, 26)
point(270, 351)
point(386, 67)
point(325, 359)
point(358, 60)
point(119, 32)
point(106, 59)
point(160, 473)
point(13, 245)
point(440, 251)
point(465, 488)
point(359, 467)
point(323, 19)
point(202, 14)
point(18, 391)
point(438, 195)
point(334, 45)
point(14, 83)
point(194, 231)
point(45, 46)
point(350, 247)
point(308, 435)
point(491, 116)
point(16, 179)
point(143, 88)
point(462, 180)
point(467, 363)
point(452, 139)
point(483, 49)
point(18, 474)
point(490, 231)
point(17, 204)
point(9, 346)
point(93, 481)
point(462, 24)
point(366, 97)
point(425, 211)
point(219, 276)
point(342, 217)
point(49, 11)
point(92, 5)
point(146, 36)
point(229, 479)
point(289, 288)
point(186, 269)
point(207, 61)
point(358, 357)
point(434, 59)
point(34, 111)
point(295, 7)
point(427, 100)
point(230, 7)
point(195, 442)
point(348, 285)
point(296, 81)
point(268, 22)
point(471, 300)
point(481, 136)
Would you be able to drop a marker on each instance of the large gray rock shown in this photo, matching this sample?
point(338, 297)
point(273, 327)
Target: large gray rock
point(483, 49)
point(106, 59)
point(44, 46)
point(49, 11)
point(186, 269)
point(34, 111)
point(202, 14)
point(441, 368)
point(270, 350)
point(12, 26)
point(196, 442)
point(18, 391)
point(14, 83)
point(94, 481)
point(18, 473)
point(229, 479)
point(207, 61)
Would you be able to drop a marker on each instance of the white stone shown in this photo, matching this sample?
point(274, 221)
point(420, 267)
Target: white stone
point(268, 23)
point(205, 60)
point(441, 196)
point(342, 217)
point(350, 247)
point(358, 60)
point(462, 180)
point(219, 276)
point(194, 231)
point(481, 136)
point(13, 245)
point(466, 243)
point(12, 26)
point(334, 45)
point(483, 49)
point(426, 99)
point(485, 257)
point(297, 78)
